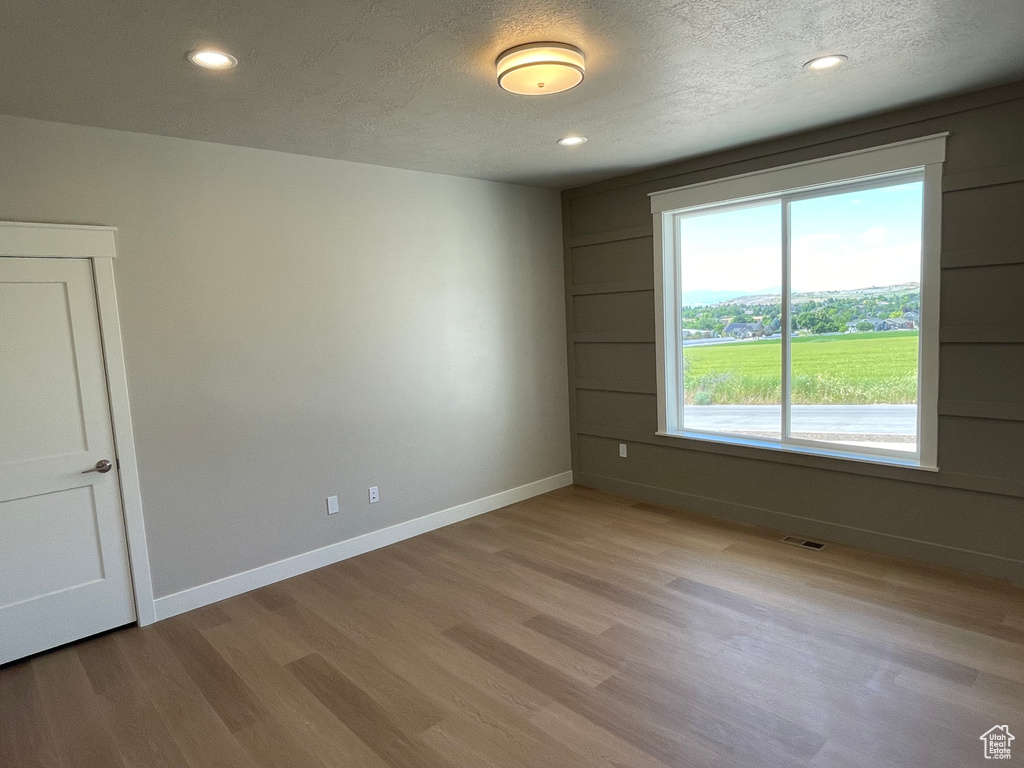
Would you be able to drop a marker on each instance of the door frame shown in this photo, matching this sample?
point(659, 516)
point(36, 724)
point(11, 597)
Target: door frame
point(99, 245)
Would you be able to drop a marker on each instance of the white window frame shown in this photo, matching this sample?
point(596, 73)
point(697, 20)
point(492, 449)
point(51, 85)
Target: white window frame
point(916, 159)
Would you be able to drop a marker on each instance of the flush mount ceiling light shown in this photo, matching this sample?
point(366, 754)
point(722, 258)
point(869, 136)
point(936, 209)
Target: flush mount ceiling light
point(211, 59)
point(572, 141)
point(536, 69)
point(825, 62)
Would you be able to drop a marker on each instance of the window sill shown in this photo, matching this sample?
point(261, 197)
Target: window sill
point(830, 453)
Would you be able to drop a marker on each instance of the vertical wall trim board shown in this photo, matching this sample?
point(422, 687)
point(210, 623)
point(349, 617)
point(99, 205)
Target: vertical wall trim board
point(570, 354)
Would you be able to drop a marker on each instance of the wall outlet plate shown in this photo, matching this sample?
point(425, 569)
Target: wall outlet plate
point(332, 505)
point(622, 450)
point(374, 495)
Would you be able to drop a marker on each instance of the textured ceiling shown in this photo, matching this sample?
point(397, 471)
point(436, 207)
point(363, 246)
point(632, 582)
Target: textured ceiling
point(411, 83)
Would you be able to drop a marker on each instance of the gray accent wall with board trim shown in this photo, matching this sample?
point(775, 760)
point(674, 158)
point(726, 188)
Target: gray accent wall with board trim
point(969, 514)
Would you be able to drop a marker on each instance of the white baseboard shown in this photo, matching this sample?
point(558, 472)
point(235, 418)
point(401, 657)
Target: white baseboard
point(229, 586)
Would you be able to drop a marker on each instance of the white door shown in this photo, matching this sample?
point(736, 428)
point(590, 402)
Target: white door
point(64, 571)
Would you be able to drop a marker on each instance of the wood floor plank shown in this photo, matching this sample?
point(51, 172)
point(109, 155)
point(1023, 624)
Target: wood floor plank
point(653, 672)
point(456, 682)
point(574, 629)
point(272, 744)
point(202, 736)
point(463, 677)
point(127, 708)
point(411, 707)
point(249, 617)
point(82, 736)
point(598, 746)
point(466, 599)
point(363, 716)
point(580, 641)
point(26, 738)
point(864, 644)
point(233, 700)
point(986, 695)
point(578, 555)
point(731, 727)
point(543, 595)
point(297, 714)
point(510, 744)
point(613, 715)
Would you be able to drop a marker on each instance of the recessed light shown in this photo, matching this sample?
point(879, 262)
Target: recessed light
point(572, 141)
point(825, 62)
point(536, 69)
point(211, 59)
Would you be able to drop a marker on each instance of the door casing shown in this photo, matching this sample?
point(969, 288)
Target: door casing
point(99, 245)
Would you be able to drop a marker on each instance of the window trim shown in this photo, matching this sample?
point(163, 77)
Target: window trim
point(923, 156)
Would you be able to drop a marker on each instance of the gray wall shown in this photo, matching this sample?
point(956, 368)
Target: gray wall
point(297, 327)
point(971, 513)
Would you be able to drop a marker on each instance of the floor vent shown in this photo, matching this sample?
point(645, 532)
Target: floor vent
point(798, 542)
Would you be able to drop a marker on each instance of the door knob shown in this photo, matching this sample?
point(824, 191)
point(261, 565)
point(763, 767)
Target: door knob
point(102, 466)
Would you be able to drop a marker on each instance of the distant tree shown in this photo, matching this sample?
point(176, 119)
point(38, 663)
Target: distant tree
point(821, 312)
point(864, 325)
point(818, 321)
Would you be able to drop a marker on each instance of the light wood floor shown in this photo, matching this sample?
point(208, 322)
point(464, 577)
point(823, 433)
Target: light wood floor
point(574, 629)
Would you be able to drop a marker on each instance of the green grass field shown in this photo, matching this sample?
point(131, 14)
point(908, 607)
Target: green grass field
point(848, 369)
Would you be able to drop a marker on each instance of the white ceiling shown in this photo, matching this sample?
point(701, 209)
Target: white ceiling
point(411, 83)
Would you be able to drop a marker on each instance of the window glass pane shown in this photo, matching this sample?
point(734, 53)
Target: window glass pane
point(855, 271)
point(731, 275)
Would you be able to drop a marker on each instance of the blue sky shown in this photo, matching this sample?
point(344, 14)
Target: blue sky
point(839, 242)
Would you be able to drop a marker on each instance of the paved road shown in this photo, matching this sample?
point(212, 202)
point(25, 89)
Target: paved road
point(852, 419)
point(732, 340)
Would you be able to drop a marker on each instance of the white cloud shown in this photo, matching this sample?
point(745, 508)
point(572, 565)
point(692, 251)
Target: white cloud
point(875, 236)
point(812, 244)
point(749, 269)
point(851, 267)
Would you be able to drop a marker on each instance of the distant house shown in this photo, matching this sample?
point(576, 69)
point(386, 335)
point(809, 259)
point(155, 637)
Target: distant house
point(696, 333)
point(745, 330)
point(877, 324)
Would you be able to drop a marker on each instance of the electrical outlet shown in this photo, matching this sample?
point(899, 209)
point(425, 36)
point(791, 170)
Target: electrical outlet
point(622, 450)
point(374, 495)
point(332, 505)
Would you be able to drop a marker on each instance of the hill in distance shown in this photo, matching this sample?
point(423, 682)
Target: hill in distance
point(708, 298)
point(773, 295)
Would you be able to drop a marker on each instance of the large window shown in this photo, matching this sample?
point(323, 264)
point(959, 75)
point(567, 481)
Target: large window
point(799, 306)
